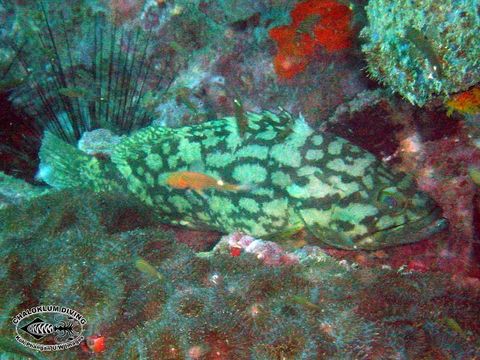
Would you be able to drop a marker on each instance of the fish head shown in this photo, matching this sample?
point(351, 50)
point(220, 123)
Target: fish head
point(379, 209)
point(404, 214)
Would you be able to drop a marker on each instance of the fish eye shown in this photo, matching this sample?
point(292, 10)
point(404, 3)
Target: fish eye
point(391, 199)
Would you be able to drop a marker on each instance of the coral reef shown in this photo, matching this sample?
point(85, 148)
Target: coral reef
point(441, 153)
point(268, 252)
point(186, 50)
point(68, 248)
point(239, 39)
point(94, 71)
point(423, 49)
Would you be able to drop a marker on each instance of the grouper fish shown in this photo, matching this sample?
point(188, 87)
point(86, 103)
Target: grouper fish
point(296, 179)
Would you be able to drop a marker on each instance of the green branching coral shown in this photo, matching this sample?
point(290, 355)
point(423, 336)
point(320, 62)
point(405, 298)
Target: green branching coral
point(423, 49)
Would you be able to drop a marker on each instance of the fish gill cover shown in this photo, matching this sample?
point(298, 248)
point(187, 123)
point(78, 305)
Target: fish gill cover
point(119, 93)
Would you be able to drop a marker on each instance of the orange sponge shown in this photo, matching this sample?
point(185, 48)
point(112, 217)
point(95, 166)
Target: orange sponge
point(467, 102)
point(314, 23)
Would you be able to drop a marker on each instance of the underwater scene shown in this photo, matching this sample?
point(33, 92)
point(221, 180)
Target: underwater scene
point(240, 179)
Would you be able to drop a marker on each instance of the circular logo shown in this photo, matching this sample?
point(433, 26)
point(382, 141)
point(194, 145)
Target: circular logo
point(49, 328)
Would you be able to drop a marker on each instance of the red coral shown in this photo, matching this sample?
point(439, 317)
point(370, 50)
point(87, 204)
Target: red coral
point(287, 65)
point(314, 23)
point(291, 42)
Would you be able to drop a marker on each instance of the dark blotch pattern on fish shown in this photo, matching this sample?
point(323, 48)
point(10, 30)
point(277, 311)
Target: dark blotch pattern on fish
point(296, 178)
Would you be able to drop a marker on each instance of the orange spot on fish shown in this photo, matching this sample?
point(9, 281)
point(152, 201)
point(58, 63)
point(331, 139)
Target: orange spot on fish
point(199, 182)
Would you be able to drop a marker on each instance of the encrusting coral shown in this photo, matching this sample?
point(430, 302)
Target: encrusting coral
point(423, 49)
point(67, 247)
point(144, 292)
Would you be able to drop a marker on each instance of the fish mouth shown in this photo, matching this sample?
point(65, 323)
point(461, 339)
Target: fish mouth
point(408, 232)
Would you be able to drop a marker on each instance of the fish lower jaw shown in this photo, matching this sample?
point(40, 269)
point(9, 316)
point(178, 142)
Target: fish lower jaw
point(405, 233)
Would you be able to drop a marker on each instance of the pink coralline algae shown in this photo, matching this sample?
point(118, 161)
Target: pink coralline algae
point(444, 175)
point(441, 169)
point(268, 252)
point(125, 10)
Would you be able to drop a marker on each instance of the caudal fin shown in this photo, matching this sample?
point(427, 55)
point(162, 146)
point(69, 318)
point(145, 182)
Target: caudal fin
point(64, 166)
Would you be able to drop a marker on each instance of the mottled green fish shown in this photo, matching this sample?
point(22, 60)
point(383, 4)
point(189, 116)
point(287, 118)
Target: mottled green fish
point(335, 190)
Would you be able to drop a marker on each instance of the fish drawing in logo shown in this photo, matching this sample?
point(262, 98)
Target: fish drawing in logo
point(63, 330)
